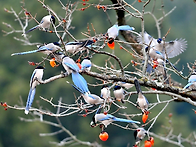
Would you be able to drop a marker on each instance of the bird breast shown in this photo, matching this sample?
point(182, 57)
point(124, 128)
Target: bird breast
point(105, 93)
point(119, 94)
point(38, 76)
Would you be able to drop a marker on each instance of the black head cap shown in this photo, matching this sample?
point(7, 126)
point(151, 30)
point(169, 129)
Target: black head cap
point(159, 40)
point(135, 134)
point(93, 119)
point(52, 19)
point(104, 86)
point(193, 73)
point(146, 49)
point(93, 123)
point(56, 43)
point(88, 58)
point(111, 40)
point(39, 67)
point(117, 87)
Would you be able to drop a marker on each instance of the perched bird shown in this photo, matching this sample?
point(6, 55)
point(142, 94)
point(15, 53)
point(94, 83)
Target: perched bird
point(191, 81)
point(125, 85)
point(159, 63)
point(171, 48)
point(119, 93)
point(142, 102)
point(46, 49)
point(37, 75)
point(72, 68)
point(44, 24)
point(86, 64)
point(105, 92)
point(139, 134)
point(89, 98)
point(114, 31)
point(73, 47)
point(92, 99)
point(106, 119)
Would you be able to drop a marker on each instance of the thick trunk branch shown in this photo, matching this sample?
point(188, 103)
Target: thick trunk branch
point(183, 95)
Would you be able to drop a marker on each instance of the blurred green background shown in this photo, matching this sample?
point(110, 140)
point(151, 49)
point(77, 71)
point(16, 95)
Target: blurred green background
point(15, 74)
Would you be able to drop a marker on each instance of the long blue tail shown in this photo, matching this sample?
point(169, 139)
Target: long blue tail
point(32, 29)
point(126, 120)
point(172, 65)
point(80, 82)
point(24, 53)
point(126, 27)
point(78, 89)
point(187, 86)
point(30, 100)
point(137, 86)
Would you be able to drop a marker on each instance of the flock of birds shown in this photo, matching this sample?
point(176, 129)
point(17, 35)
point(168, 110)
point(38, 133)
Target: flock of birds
point(158, 50)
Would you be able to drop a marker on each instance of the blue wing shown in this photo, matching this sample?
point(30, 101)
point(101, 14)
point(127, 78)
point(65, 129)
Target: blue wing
point(187, 86)
point(74, 67)
point(43, 48)
point(30, 99)
point(111, 117)
point(125, 27)
point(191, 80)
point(87, 43)
point(91, 96)
point(32, 77)
point(85, 65)
point(159, 53)
point(74, 43)
point(146, 100)
point(107, 117)
point(80, 82)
